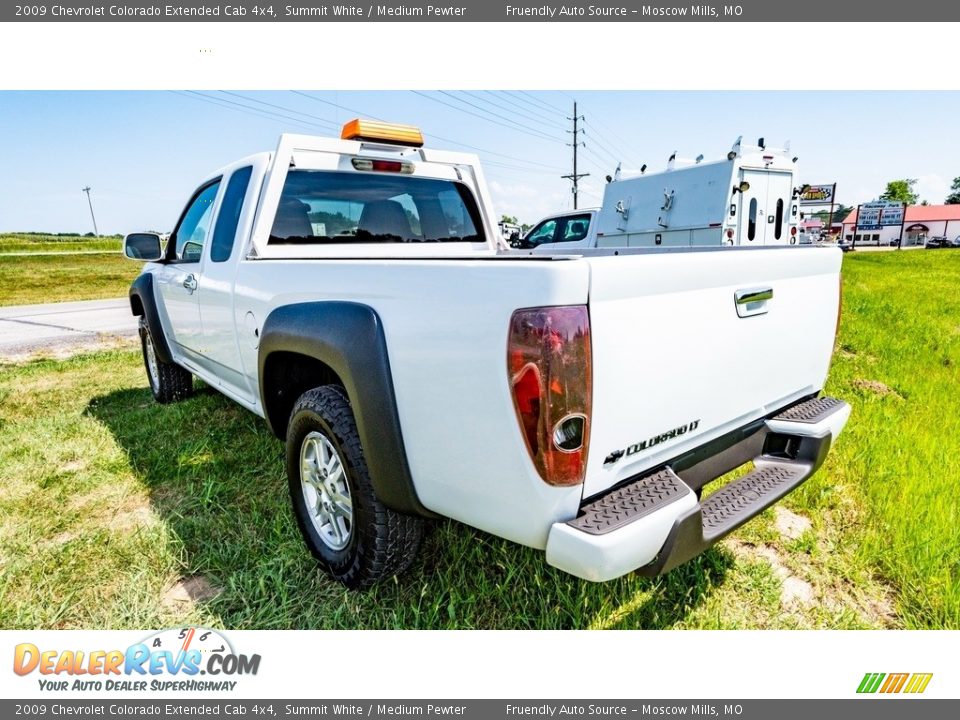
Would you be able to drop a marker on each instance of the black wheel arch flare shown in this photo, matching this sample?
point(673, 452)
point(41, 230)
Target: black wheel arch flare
point(143, 303)
point(347, 338)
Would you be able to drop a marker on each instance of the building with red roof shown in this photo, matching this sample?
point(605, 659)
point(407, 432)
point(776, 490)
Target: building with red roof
point(920, 222)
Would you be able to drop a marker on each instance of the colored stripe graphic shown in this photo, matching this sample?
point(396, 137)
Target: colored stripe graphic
point(894, 683)
point(918, 683)
point(870, 682)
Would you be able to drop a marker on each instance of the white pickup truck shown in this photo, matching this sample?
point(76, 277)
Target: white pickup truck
point(354, 293)
point(751, 197)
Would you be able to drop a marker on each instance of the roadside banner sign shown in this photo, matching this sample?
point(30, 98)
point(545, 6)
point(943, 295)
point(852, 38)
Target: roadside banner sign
point(868, 218)
point(892, 215)
point(819, 195)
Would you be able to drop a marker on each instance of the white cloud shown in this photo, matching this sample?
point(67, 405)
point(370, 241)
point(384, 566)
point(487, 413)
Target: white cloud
point(526, 202)
point(933, 188)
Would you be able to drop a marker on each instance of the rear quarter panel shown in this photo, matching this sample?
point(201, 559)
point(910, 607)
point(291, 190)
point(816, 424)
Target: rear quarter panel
point(446, 324)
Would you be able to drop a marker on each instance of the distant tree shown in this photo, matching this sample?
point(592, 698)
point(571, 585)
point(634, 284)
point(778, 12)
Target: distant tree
point(840, 213)
point(954, 197)
point(901, 191)
point(509, 220)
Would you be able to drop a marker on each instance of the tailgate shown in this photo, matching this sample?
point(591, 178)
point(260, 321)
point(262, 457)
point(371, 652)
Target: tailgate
point(678, 361)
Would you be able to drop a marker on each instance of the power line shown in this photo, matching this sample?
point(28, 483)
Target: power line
point(494, 163)
point(602, 145)
point(247, 107)
point(574, 177)
point(593, 146)
point(262, 114)
point(272, 115)
point(438, 100)
point(281, 107)
point(522, 113)
point(619, 139)
point(333, 104)
point(548, 106)
point(530, 130)
point(433, 135)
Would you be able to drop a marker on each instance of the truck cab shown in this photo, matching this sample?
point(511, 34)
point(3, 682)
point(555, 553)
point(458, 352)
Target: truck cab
point(575, 229)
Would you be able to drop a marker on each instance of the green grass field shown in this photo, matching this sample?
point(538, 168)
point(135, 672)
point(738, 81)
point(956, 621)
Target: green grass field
point(117, 512)
point(26, 279)
point(41, 243)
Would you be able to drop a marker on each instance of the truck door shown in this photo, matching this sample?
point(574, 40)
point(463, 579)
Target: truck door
point(179, 278)
point(753, 208)
point(217, 307)
point(779, 199)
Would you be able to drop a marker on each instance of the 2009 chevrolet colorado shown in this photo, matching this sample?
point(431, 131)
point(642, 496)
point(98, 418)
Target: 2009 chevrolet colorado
point(356, 294)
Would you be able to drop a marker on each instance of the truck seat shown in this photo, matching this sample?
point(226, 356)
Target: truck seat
point(293, 220)
point(385, 217)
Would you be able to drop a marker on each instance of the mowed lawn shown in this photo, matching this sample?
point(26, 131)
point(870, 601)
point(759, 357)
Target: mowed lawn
point(41, 243)
point(117, 512)
point(41, 278)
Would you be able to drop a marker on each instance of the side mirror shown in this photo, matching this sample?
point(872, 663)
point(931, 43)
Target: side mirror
point(143, 246)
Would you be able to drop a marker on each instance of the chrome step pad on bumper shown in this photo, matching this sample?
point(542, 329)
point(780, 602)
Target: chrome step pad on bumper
point(655, 523)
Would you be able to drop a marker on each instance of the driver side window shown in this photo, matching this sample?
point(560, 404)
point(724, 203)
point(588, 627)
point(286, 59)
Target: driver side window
point(191, 234)
point(543, 233)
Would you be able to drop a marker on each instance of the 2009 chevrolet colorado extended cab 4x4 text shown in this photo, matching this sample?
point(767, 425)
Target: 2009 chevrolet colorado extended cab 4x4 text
point(355, 293)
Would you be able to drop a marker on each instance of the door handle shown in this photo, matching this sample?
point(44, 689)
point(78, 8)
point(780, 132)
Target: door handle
point(752, 301)
point(190, 282)
point(753, 295)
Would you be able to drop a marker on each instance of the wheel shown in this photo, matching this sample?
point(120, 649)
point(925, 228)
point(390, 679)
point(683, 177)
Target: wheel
point(349, 531)
point(168, 381)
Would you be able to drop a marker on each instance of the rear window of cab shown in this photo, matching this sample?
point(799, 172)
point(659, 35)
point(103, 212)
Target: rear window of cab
point(329, 207)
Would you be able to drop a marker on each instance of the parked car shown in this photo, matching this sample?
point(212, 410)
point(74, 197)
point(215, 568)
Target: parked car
point(935, 242)
point(955, 243)
point(356, 293)
point(845, 245)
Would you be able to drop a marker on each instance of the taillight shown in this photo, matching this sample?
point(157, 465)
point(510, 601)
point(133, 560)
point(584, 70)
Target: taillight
point(793, 229)
point(549, 365)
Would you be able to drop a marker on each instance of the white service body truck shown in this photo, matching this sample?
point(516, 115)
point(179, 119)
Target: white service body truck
point(749, 198)
point(355, 294)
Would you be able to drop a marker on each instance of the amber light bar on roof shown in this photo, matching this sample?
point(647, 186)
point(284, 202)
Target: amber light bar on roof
point(375, 131)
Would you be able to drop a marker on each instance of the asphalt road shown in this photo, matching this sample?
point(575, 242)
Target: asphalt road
point(63, 327)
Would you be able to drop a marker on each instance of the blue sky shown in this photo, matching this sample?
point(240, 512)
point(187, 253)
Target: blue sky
point(143, 152)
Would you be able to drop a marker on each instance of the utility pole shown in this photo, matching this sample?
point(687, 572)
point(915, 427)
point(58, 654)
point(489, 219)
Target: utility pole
point(90, 203)
point(576, 143)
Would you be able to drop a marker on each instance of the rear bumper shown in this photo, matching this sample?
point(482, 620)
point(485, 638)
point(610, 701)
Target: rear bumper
point(655, 522)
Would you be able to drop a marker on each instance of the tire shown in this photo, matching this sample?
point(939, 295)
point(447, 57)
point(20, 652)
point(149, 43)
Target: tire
point(327, 475)
point(168, 381)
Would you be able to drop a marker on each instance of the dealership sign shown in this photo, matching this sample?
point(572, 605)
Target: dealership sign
point(868, 218)
point(892, 215)
point(818, 195)
point(880, 213)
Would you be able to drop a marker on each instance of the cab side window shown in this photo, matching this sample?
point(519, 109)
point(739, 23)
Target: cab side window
point(543, 233)
point(225, 231)
point(576, 228)
point(193, 229)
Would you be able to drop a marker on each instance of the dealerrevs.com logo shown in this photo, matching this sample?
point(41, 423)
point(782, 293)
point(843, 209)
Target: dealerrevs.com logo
point(170, 660)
